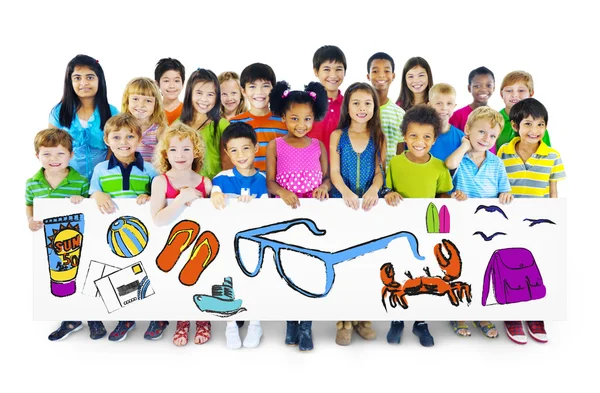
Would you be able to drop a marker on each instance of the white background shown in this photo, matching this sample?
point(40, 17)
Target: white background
point(553, 43)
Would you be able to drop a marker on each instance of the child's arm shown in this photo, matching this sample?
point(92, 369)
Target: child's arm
point(457, 194)
point(161, 213)
point(274, 188)
point(456, 157)
point(103, 201)
point(33, 225)
point(371, 197)
point(553, 189)
point(350, 198)
point(322, 192)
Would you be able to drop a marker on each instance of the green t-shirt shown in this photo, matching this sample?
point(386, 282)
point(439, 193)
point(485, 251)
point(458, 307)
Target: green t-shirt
point(412, 180)
point(508, 133)
point(72, 184)
point(212, 152)
point(391, 118)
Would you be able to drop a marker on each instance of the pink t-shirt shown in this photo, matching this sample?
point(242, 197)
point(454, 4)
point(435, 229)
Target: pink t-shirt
point(299, 169)
point(459, 118)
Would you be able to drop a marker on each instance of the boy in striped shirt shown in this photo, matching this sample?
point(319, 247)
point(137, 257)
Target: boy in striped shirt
point(56, 179)
point(534, 170)
point(125, 174)
point(479, 173)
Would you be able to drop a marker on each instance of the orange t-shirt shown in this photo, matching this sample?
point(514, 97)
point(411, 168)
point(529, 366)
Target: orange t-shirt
point(172, 116)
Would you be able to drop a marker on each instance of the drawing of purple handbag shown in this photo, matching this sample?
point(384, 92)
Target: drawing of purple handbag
point(515, 277)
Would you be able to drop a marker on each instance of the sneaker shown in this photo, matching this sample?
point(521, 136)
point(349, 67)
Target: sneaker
point(253, 336)
point(291, 333)
point(155, 330)
point(66, 328)
point(421, 330)
point(120, 332)
point(232, 336)
point(536, 331)
point(514, 330)
point(395, 333)
point(97, 330)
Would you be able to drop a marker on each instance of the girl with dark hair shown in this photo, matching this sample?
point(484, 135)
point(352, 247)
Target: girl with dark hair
point(82, 112)
point(202, 111)
point(416, 82)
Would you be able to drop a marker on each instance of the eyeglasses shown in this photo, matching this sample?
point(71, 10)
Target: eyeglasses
point(251, 266)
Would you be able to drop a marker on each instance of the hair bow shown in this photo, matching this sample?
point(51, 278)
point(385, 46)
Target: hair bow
point(285, 93)
point(313, 95)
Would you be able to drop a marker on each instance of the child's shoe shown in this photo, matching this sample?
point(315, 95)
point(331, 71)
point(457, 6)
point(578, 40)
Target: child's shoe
point(537, 331)
point(363, 328)
point(514, 330)
point(253, 335)
point(155, 330)
point(395, 333)
point(180, 337)
point(97, 330)
point(344, 333)
point(488, 329)
point(121, 331)
point(291, 333)
point(232, 336)
point(202, 332)
point(421, 330)
point(305, 342)
point(66, 328)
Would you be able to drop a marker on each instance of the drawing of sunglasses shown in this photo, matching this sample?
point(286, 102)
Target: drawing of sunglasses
point(251, 265)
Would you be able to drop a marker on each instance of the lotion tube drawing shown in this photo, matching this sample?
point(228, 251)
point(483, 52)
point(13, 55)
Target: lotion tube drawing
point(64, 239)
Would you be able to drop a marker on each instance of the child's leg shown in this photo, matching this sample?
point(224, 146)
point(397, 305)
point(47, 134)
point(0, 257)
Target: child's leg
point(232, 335)
point(291, 334)
point(202, 332)
point(421, 330)
point(254, 334)
point(155, 330)
point(65, 328)
point(180, 337)
point(305, 342)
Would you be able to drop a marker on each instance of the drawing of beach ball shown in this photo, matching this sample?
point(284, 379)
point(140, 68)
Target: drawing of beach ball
point(127, 236)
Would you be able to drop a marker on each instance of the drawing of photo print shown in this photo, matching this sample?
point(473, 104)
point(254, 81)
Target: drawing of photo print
point(282, 251)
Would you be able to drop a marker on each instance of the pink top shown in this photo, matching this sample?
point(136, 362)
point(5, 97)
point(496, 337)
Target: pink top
point(459, 118)
point(299, 169)
point(323, 129)
point(172, 192)
point(146, 147)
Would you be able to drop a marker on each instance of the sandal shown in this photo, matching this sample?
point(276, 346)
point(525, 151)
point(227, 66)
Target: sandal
point(180, 238)
point(202, 332)
point(460, 328)
point(180, 337)
point(485, 329)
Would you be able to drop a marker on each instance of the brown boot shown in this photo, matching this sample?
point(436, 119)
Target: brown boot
point(363, 328)
point(344, 333)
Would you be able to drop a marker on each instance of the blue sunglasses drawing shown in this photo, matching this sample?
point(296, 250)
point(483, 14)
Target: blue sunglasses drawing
point(329, 259)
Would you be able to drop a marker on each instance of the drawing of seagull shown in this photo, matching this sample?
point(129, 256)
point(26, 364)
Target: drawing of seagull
point(491, 209)
point(535, 221)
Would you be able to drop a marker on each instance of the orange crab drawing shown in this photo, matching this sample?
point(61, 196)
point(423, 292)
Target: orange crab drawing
point(434, 285)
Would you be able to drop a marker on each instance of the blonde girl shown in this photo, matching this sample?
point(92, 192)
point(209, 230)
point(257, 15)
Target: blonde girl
point(232, 100)
point(179, 157)
point(142, 99)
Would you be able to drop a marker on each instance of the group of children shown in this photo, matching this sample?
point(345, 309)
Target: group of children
point(252, 137)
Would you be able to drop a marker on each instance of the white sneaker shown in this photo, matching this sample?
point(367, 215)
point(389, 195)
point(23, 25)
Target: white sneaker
point(253, 336)
point(232, 334)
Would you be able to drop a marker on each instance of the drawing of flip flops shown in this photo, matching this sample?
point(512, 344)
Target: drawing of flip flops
point(222, 302)
point(180, 238)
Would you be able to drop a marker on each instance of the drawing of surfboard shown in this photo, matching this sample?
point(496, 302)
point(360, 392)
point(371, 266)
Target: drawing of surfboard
point(444, 220)
point(432, 219)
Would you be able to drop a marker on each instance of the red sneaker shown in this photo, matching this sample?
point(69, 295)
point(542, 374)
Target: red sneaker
point(514, 330)
point(536, 331)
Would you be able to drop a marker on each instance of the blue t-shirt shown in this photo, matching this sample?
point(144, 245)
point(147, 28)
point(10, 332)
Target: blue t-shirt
point(487, 181)
point(88, 142)
point(445, 144)
point(233, 184)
